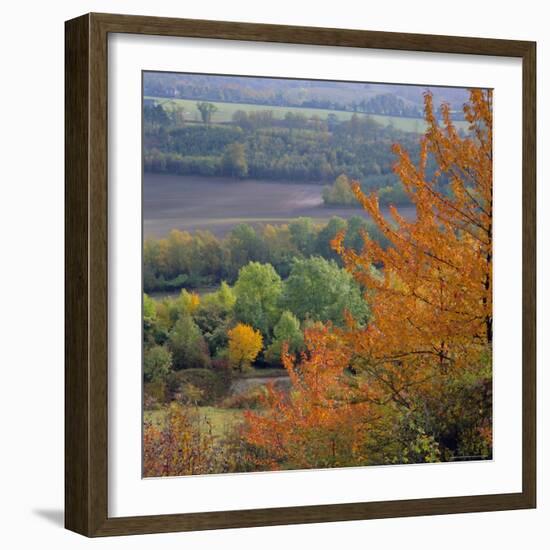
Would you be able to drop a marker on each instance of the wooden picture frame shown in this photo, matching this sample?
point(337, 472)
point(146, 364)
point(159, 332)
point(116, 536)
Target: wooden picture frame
point(86, 320)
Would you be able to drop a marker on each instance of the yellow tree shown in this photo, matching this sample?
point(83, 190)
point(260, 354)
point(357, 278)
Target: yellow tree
point(244, 345)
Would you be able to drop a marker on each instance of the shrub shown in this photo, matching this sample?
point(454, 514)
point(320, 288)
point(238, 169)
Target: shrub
point(251, 399)
point(154, 394)
point(185, 341)
point(223, 370)
point(210, 384)
point(182, 444)
point(157, 363)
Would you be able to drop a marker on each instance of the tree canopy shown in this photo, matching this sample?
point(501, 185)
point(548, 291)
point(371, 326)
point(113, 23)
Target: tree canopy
point(244, 345)
point(258, 289)
point(318, 290)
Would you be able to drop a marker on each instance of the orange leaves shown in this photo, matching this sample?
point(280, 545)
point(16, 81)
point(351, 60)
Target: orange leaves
point(317, 424)
point(432, 307)
point(377, 393)
point(437, 273)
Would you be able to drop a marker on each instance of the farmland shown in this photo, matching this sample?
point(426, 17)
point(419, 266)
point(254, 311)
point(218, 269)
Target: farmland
point(225, 112)
point(190, 203)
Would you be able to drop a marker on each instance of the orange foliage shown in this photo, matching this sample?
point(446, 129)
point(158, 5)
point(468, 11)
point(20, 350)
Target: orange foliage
point(416, 371)
point(432, 305)
point(316, 425)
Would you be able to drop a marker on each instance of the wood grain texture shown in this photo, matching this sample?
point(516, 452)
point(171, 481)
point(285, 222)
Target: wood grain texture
point(86, 282)
point(529, 276)
point(165, 26)
point(77, 387)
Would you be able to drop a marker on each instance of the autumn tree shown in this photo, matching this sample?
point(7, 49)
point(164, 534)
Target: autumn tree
point(432, 308)
point(168, 311)
point(244, 345)
point(176, 251)
point(421, 367)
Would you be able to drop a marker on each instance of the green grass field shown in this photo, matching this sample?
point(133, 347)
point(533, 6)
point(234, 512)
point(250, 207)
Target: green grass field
point(225, 113)
point(220, 419)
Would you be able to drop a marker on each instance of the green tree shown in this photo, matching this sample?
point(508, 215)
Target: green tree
point(157, 364)
point(303, 235)
point(149, 311)
point(187, 345)
point(279, 248)
point(258, 289)
point(226, 297)
point(154, 116)
point(327, 234)
point(150, 321)
point(234, 160)
point(206, 110)
point(243, 245)
point(393, 194)
point(205, 261)
point(214, 317)
point(178, 252)
point(340, 193)
point(214, 323)
point(286, 331)
point(153, 262)
point(318, 290)
point(357, 225)
point(185, 304)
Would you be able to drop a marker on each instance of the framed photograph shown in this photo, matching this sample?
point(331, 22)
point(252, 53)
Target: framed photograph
point(300, 275)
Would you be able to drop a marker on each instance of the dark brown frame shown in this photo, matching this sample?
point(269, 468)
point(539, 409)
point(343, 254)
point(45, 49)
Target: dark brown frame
point(86, 274)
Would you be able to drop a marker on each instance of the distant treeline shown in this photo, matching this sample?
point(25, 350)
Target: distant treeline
point(258, 145)
point(352, 97)
point(199, 259)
